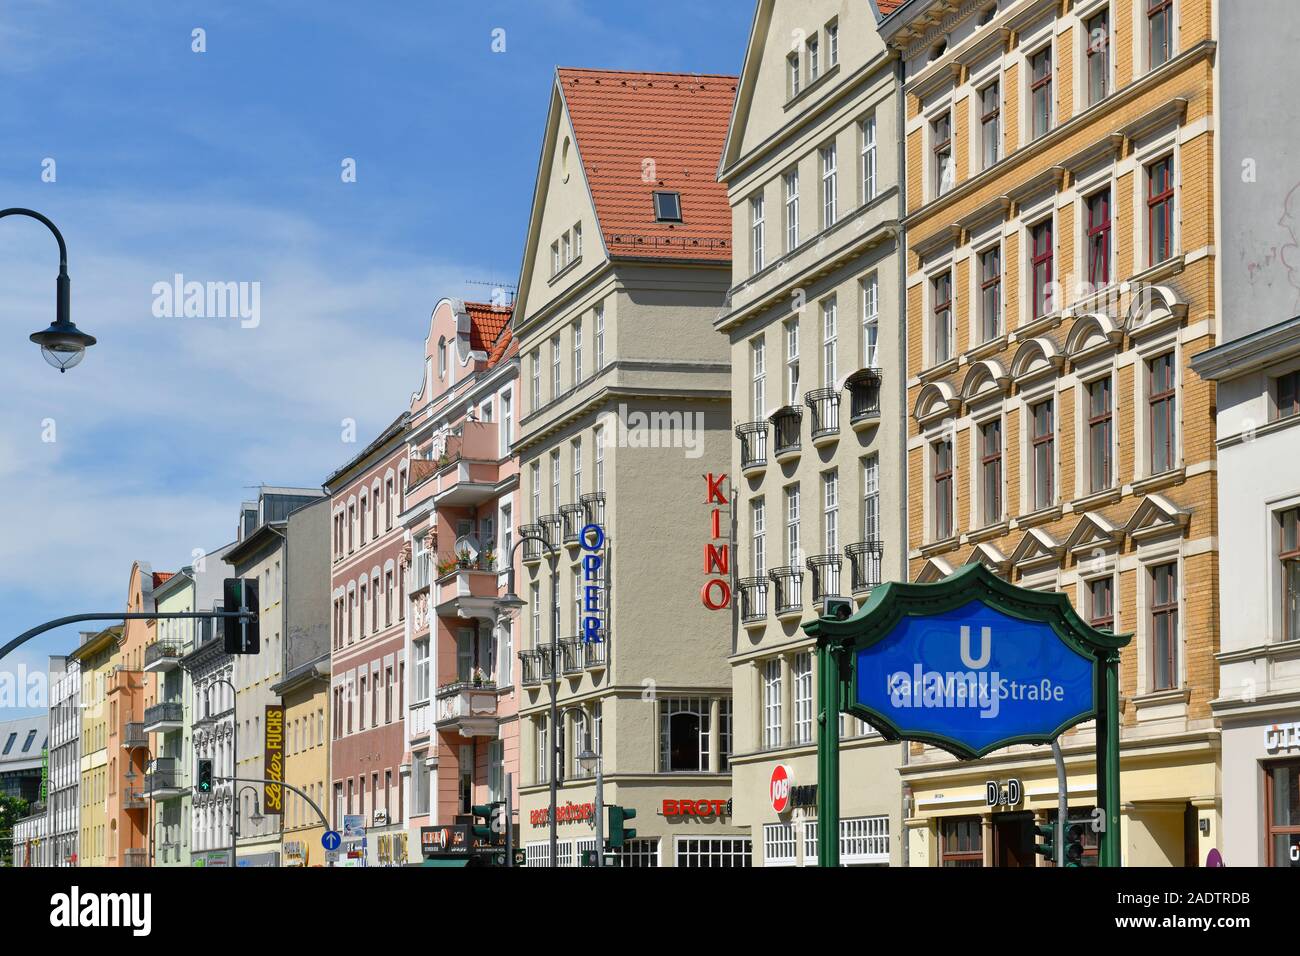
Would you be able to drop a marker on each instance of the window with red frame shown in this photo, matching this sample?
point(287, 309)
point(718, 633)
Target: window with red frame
point(1099, 435)
point(942, 488)
point(1287, 399)
point(1043, 454)
point(1160, 400)
point(1164, 626)
point(1099, 239)
point(941, 135)
point(1160, 210)
point(991, 293)
point(1040, 92)
point(1160, 29)
point(1098, 40)
point(1101, 603)
point(942, 329)
point(991, 470)
point(1289, 555)
point(1040, 261)
point(962, 842)
point(1282, 803)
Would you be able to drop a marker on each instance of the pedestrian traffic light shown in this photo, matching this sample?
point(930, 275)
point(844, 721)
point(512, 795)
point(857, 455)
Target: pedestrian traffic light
point(1074, 845)
point(482, 826)
point(619, 833)
point(241, 635)
point(1048, 847)
point(204, 782)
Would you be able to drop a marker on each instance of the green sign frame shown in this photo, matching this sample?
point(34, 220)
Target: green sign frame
point(887, 606)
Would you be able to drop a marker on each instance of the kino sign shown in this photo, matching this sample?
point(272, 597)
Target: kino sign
point(970, 664)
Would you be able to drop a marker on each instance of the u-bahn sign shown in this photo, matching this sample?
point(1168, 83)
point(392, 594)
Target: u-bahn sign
point(970, 664)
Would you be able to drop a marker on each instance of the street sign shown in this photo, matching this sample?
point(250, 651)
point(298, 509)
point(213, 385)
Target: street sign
point(331, 840)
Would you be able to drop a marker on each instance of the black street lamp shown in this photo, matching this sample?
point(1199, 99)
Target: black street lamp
point(63, 345)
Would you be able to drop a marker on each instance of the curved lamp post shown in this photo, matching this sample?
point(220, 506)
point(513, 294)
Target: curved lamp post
point(63, 345)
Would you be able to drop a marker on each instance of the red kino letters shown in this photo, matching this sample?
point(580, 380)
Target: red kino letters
point(716, 592)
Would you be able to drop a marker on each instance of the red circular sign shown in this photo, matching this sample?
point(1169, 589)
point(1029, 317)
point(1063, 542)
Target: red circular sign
point(780, 788)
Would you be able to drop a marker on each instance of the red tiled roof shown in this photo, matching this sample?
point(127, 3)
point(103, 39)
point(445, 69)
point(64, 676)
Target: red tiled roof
point(162, 577)
point(485, 324)
point(623, 121)
point(889, 6)
point(505, 344)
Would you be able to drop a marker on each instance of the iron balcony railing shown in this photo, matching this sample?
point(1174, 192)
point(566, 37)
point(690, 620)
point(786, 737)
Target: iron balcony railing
point(864, 395)
point(163, 650)
point(552, 530)
point(824, 403)
point(785, 429)
point(788, 583)
point(753, 599)
point(530, 669)
point(533, 536)
point(594, 503)
point(753, 444)
point(596, 653)
point(135, 856)
point(133, 799)
point(574, 518)
point(169, 711)
point(163, 774)
point(825, 570)
point(571, 659)
point(135, 736)
point(864, 563)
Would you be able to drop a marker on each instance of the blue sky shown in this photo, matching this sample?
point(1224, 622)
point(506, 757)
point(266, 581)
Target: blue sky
point(225, 166)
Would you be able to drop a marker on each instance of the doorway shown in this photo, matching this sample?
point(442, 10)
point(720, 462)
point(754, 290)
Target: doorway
point(1013, 840)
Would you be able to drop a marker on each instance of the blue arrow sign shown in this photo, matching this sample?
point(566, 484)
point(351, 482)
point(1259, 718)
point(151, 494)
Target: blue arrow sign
point(977, 677)
point(331, 839)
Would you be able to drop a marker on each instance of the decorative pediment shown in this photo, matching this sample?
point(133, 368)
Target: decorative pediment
point(1093, 532)
point(987, 554)
point(1036, 550)
point(1153, 307)
point(1091, 335)
point(934, 569)
point(985, 379)
point(1035, 358)
point(1156, 516)
point(936, 400)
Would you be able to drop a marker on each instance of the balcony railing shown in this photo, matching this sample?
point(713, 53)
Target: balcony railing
point(825, 570)
point(135, 856)
point(571, 659)
point(535, 665)
point(133, 799)
point(163, 655)
point(534, 545)
point(134, 736)
point(824, 403)
point(594, 504)
point(788, 583)
point(468, 707)
point(785, 430)
point(574, 519)
point(552, 530)
point(864, 396)
point(169, 715)
point(753, 599)
point(596, 653)
point(864, 563)
point(753, 445)
point(163, 775)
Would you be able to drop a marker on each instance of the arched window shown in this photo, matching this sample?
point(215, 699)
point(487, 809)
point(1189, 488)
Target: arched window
point(442, 357)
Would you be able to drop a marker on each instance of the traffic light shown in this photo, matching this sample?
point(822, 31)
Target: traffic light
point(482, 826)
point(1074, 844)
point(241, 635)
point(204, 782)
point(1048, 847)
point(618, 832)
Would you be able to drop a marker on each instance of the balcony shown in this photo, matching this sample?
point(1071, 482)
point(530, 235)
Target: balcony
point(468, 589)
point(785, 433)
point(163, 779)
point(468, 709)
point(864, 564)
point(574, 519)
point(753, 447)
point(160, 718)
point(571, 658)
point(467, 470)
point(163, 656)
point(753, 600)
point(788, 586)
point(133, 799)
point(533, 536)
point(864, 398)
point(824, 404)
point(535, 665)
point(825, 570)
point(135, 856)
point(134, 736)
point(595, 654)
point(594, 503)
point(552, 530)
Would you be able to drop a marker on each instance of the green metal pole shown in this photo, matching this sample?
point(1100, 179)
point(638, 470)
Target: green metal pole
point(1111, 838)
point(828, 759)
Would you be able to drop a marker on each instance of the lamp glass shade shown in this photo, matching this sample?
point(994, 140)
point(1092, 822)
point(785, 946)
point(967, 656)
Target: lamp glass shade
point(587, 760)
point(63, 345)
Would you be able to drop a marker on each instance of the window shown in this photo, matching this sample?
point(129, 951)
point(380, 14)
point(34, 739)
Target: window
point(555, 366)
point(543, 752)
point(941, 145)
point(1101, 603)
point(990, 293)
point(1042, 442)
point(1289, 555)
point(1160, 401)
point(442, 358)
point(536, 604)
point(758, 378)
point(1160, 210)
point(1160, 29)
point(868, 131)
point(772, 704)
point(1282, 800)
point(535, 470)
point(537, 379)
point(507, 427)
point(598, 438)
point(1040, 92)
point(758, 532)
point(576, 455)
point(941, 323)
point(831, 510)
point(871, 498)
point(791, 210)
point(778, 844)
point(830, 329)
point(1100, 425)
point(792, 73)
point(577, 351)
point(792, 524)
point(684, 734)
point(990, 124)
point(1286, 397)
point(1041, 268)
point(814, 58)
point(802, 677)
point(792, 362)
point(577, 240)
point(870, 322)
point(600, 337)
point(961, 842)
point(756, 231)
point(1098, 57)
point(566, 249)
point(668, 207)
point(420, 691)
point(1164, 626)
point(829, 191)
point(990, 434)
point(714, 851)
point(832, 44)
point(421, 773)
point(1098, 242)
point(941, 452)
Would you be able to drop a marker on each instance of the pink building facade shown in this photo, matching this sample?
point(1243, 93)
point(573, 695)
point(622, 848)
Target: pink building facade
point(462, 739)
point(368, 649)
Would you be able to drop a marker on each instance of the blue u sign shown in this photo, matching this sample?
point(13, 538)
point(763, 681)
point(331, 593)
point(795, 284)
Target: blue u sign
point(975, 677)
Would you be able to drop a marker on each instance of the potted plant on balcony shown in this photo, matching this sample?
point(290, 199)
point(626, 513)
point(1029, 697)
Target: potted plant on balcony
point(478, 678)
point(446, 565)
point(466, 561)
point(488, 560)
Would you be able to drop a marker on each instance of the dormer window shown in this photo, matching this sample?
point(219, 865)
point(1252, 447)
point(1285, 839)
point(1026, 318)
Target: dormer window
point(668, 207)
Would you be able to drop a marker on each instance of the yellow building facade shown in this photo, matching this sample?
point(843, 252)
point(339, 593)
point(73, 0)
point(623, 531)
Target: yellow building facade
point(1060, 277)
point(96, 655)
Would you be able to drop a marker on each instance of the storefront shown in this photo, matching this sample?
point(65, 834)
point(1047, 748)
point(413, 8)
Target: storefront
point(1261, 790)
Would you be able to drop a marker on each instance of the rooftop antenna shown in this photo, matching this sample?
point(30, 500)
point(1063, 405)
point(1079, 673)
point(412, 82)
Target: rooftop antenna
point(508, 288)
